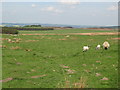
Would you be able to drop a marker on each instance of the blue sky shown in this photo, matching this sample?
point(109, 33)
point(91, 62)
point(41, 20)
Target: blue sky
point(74, 13)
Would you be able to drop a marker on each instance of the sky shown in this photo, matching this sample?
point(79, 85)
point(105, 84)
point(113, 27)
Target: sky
point(71, 13)
point(59, 0)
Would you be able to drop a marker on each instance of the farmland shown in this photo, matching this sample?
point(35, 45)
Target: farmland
point(63, 31)
point(57, 61)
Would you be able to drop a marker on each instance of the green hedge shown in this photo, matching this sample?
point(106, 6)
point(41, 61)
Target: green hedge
point(9, 30)
point(34, 28)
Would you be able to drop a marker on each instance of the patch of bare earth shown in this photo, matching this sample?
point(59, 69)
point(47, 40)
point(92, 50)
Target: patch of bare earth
point(38, 76)
point(79, 84)
point(18, 63)
point(116, 38)
point(42, 34)
point(100, 29)
point(69, 71)
point(15, 48)
point(3, 46)
point(101, 33)
point(105, 33)
point(63, 66)
point(31, 40)
point(62, 39)
point(6, 80)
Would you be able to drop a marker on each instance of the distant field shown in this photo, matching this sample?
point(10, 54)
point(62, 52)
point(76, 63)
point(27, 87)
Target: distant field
point(64, 31)
point(57, 61)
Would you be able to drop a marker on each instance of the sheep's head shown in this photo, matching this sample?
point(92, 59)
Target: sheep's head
point(89, 46)
point(106, 48)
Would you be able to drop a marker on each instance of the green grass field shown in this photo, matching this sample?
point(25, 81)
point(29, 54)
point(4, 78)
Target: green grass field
point(63, 31)
point(57, 61)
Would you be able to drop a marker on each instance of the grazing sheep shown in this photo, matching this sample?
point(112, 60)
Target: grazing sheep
point(9, 40)
point(15, 35)
point(85, 48)
point(67, 36)
point(106, 45)
point(98, 47)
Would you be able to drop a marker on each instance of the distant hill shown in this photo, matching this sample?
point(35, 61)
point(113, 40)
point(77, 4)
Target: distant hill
point(110, 27)
point(58, 25)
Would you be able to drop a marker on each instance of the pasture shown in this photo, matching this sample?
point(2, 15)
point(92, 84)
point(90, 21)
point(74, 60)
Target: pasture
point(57, 61)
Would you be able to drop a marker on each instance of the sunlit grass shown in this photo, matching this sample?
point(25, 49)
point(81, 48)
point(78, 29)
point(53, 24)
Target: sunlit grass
point(58, 62)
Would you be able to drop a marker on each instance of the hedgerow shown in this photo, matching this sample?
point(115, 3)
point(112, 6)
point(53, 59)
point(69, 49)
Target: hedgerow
point(9, 30)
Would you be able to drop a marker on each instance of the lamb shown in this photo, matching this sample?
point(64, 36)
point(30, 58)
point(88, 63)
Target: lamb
point(85, 48)
point(98, 47)
point(106, 45)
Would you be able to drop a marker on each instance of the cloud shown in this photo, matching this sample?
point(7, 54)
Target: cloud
point(112, 8)
point(70, 2)
point(33, 5)
point(52, 9)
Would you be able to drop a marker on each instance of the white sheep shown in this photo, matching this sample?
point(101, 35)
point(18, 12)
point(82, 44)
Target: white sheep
point(9, 40)
point(98, 46)
point(106, 45)
point(85, 48)
point(67, 36)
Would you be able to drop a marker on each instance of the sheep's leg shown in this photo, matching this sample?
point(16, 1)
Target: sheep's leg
point(105, 48)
